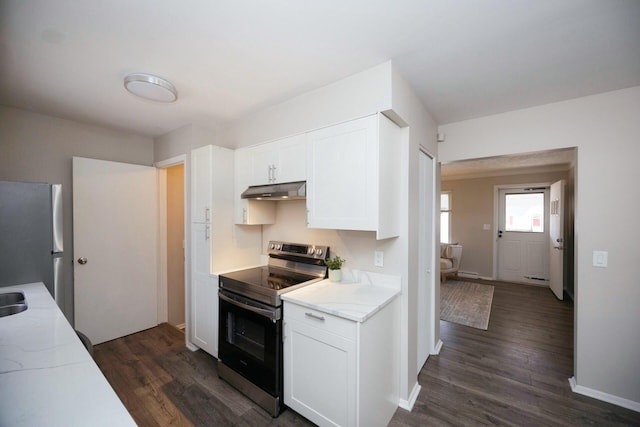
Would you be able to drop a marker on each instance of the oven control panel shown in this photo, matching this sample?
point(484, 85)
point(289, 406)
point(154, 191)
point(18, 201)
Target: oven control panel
point(298, 249)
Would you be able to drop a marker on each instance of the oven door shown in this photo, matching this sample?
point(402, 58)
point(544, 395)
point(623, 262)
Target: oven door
point(250, 340)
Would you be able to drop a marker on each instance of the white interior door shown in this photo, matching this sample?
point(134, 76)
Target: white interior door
point(115, 248)
point(556, 238)
point(523, 233)
point(426, 284)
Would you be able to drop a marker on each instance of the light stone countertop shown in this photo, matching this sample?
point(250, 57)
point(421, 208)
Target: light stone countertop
point(47, 378)
point(359, 296)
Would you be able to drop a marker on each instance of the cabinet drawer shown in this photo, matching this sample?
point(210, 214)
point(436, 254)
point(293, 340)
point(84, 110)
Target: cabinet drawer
point(321, 320)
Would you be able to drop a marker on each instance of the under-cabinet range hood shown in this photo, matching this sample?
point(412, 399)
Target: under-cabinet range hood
point(285, 191)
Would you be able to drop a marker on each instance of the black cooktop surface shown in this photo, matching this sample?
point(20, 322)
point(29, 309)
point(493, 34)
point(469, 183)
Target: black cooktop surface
point(268, 277)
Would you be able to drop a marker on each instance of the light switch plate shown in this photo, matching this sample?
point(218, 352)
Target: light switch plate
point(600, 258)
point(486, 226)
point(378, 259)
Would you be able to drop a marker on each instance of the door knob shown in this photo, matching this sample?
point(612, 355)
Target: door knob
point(82, 260)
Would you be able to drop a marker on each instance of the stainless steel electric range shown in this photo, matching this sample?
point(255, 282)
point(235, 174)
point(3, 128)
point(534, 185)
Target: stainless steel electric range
point(250, 324)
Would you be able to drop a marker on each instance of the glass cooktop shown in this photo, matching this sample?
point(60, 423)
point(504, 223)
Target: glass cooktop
point(268, 277)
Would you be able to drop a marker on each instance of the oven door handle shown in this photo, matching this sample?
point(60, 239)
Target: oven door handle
point(271, 314)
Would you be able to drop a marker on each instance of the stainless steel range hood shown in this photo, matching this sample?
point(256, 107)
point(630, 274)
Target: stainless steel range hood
point(285, 191)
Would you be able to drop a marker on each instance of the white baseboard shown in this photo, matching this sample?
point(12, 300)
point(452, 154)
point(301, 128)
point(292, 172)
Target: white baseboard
point(606, 397)
point(192, 347)
point(437, 348)
point(408, 404)
point(469, 274)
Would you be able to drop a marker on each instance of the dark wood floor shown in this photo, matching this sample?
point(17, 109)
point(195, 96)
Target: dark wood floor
point(515, 373)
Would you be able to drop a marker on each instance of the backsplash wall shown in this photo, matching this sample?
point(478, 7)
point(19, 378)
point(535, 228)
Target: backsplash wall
point(357, 247)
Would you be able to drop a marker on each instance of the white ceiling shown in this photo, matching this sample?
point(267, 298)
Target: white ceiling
point(465, 58)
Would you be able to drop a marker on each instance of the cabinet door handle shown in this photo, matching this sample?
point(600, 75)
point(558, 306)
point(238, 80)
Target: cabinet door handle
point(244, 215)
point(273, 169)
point(315, 316)
point(206, 232)
point(207, 214)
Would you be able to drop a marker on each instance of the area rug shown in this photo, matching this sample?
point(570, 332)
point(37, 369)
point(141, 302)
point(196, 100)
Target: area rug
point(466, 303)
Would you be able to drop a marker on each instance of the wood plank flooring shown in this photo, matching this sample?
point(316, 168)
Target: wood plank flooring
point(515, 373)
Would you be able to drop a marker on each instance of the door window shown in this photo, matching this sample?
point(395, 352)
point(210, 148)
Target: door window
point(445, 217)
point(524, 212)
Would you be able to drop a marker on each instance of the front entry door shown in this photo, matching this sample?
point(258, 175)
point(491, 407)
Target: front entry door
point(556, 238)
point(523, 235)
point(115, 248)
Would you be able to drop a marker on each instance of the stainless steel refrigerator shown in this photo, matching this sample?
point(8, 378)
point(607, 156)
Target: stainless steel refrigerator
point(31, 235)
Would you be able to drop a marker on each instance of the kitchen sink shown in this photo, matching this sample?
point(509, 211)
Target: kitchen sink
point(12, 303)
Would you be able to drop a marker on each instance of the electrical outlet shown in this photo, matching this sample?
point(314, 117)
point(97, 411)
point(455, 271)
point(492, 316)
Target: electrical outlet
point(378, 259)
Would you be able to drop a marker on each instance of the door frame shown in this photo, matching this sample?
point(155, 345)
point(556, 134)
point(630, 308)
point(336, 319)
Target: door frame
point(496, 220)
point(434, 343)
point(163, 302)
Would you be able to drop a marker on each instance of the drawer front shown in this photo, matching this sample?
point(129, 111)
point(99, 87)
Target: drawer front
point(327, 322)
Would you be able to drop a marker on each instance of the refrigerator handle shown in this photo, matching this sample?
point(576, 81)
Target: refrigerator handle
point(56, 208)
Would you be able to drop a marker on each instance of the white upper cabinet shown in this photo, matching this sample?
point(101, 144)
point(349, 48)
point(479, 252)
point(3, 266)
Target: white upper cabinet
point(279, 161)
point(249, 211)
point(292, 159)
point(284, 160)
point(353, 176)
point(201, 184)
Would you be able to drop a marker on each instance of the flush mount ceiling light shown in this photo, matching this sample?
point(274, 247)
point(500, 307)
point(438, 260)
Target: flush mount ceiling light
point(150, 87)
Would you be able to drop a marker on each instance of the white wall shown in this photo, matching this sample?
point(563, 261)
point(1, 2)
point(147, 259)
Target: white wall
point(605, 128)
point(39, 148)
point(355, 96)
point(377, 89)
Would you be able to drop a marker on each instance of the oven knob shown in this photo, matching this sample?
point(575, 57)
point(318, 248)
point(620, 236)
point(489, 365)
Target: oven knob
point(318, 252)
point(310, 251)
point(278, 246)
point(272, 246)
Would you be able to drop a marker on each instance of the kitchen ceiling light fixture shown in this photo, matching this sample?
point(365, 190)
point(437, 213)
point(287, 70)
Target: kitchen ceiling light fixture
point(151, 87)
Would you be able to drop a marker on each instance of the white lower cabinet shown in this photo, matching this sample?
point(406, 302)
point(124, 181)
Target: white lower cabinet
point(339, 372)
point(204, 291)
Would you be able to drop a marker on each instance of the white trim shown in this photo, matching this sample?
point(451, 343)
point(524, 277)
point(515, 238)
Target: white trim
point(606, 397)
point(163, 308)
point(437, 348)
point(408, 404)
point(163, 164)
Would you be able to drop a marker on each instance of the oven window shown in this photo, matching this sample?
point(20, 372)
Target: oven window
point(246, 335)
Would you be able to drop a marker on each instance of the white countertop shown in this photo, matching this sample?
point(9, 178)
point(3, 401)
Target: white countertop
point(358, 297)
point(47, 378)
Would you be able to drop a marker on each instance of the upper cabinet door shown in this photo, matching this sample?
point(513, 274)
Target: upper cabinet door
point(263, 159)
point(353, 176)
point(291, 162)
point(246, 211)
point(201, 181)
point(342, 176)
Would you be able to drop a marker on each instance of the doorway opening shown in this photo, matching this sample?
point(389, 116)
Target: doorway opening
point(471, 185)
point(175, 247)
point(172, 213)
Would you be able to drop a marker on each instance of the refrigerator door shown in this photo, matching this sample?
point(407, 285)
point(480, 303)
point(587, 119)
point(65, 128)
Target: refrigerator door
point(26, 230)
